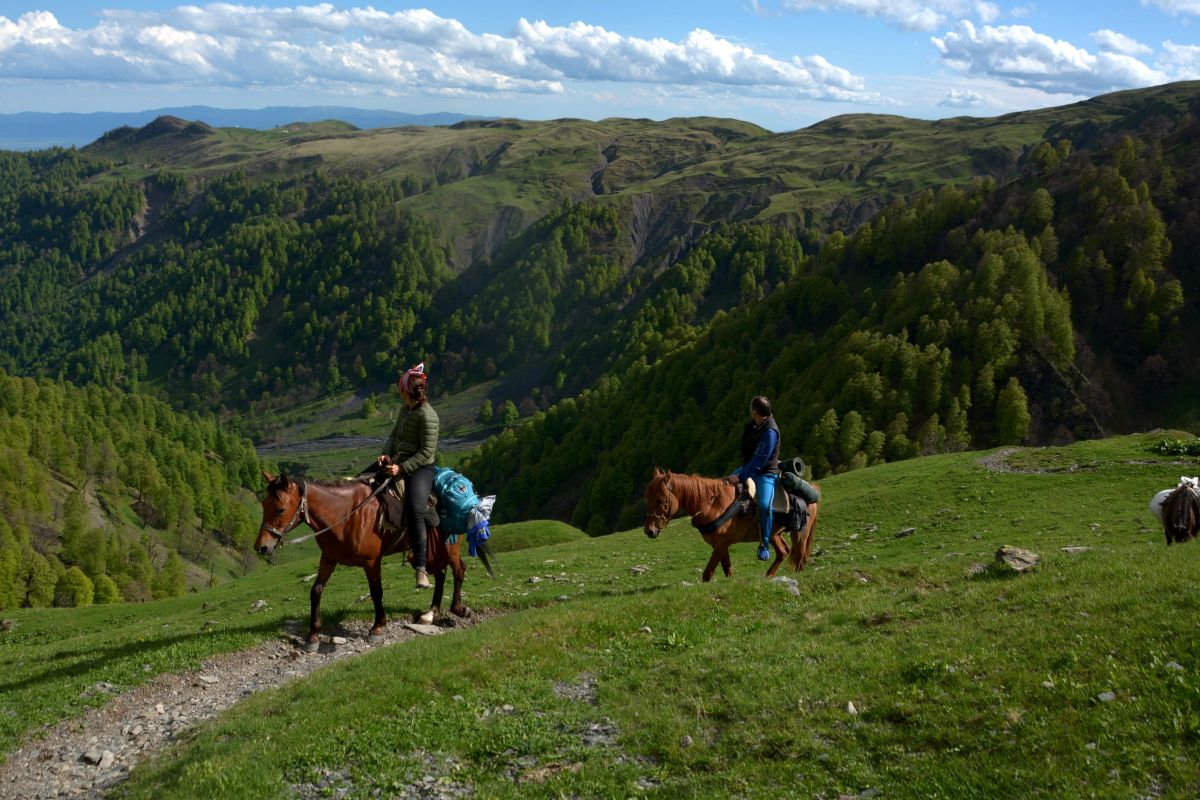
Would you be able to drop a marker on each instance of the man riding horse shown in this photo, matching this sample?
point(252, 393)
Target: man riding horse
point(760, 461)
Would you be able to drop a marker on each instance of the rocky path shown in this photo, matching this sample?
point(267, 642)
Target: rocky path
point(83, 757)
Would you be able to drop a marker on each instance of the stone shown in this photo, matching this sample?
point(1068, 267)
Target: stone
point(900, 534)
point(259, 605)
point(339, 639)
point(534, 579)
point(639, 569)
point(686, 741)
point(1018, 558)
point(209, 679)
point(160, 708)
point(1074, 550)
point(92, 756)
point(1106, 697)
point(1174, 666)
point(7, 625)
point(309, 578)
point(850, 709)
point(424, 630)
point(106, 760)
point(563, 597)
point(645, 629)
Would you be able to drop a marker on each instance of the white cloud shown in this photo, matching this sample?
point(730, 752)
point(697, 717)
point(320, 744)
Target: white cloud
point(1175, 6)
point(1120, 43)
point(911, 15)
point(377, 51)
point(964, 98)
point(1019, 55)
point(1183, 61)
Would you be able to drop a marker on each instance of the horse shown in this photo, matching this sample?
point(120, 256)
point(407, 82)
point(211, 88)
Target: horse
point(706, 500)
point(346, 519)
point(1180, 514)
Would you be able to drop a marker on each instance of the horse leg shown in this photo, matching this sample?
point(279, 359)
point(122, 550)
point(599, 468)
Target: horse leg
point(725, 563)
point(781, 550)
point(711, 566)
point(375, 581)
point(460, 574)
point(325, 569)
point(439, 583)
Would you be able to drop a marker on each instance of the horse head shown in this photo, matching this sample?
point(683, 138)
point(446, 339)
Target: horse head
point(283, 509)
point(661, 503)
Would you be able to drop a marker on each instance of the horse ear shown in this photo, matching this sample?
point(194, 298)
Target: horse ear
point(270, 478)
point(658, 472)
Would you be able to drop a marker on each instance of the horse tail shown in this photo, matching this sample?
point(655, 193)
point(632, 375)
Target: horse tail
point(802, 540)
point(486, 556)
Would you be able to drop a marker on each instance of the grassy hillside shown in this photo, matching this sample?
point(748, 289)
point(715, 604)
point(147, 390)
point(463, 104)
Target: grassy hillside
point(601, 680)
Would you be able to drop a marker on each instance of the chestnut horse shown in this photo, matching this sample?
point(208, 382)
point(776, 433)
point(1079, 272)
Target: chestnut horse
point(346, 519)
point(706, 500)
point(1181, 514)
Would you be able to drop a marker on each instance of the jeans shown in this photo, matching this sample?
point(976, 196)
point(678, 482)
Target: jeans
point(764, 495)
point(417, 486)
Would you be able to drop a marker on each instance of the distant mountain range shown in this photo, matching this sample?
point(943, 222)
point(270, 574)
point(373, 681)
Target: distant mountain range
point(33, 130)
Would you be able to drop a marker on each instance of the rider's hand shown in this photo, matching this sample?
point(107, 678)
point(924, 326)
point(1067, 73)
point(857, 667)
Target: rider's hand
point(381, 460)
point(392, 469)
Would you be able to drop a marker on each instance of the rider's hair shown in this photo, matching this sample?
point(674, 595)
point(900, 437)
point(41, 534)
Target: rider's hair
point(416, 388)
point(761, 405)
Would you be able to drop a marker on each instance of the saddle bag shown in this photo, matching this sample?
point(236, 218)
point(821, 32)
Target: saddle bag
point(794, 484)
point(456, 500)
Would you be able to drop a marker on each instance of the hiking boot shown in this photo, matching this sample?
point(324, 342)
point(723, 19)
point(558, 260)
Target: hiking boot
point(423, 579)
point(764, 553)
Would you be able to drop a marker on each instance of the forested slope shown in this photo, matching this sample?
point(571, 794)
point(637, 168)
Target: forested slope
point(101, 490)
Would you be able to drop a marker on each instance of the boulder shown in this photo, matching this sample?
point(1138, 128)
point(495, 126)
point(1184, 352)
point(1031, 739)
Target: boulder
point(1020, 559)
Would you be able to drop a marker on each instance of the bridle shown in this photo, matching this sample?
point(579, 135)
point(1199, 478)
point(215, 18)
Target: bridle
point(301, 515)
point(664, 519)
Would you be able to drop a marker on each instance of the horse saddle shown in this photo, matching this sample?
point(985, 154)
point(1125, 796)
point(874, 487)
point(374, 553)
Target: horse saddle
point(781, 502)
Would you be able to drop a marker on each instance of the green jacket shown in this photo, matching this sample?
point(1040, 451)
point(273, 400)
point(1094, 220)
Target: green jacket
point(414, 438)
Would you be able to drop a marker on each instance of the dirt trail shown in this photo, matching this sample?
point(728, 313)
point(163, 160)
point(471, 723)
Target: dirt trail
point(85, 757)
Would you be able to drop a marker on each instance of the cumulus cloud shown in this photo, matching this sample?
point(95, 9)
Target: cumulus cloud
point(1020, 56)
point(1183, 60)
point(963, 98)
point(1175, 6)
point(367, 49)
point(1120, 43)
point(911, 15)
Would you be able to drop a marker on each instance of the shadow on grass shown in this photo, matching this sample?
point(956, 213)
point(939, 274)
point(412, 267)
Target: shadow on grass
point(95, 660)
point(995, 571)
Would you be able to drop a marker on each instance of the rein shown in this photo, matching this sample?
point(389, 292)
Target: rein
point(301, 515)
point(729, 514)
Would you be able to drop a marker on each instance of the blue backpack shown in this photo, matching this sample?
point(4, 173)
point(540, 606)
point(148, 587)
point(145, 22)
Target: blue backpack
point(456, 499)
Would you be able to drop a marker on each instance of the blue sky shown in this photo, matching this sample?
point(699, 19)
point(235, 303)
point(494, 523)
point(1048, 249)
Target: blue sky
point(781, 63)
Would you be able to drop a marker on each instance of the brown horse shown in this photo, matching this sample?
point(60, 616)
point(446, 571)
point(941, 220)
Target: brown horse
point(1181, 514)
point(706, 500)
point(349, 530)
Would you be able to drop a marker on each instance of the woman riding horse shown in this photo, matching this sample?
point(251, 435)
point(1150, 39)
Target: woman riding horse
point(760, 462)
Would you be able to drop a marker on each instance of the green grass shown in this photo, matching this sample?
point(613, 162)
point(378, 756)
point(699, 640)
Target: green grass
point(986, 686)
point(534, 533)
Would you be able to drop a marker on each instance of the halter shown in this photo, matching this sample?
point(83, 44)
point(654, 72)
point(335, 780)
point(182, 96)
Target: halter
point(298, 516)
point(301, 514)
point(666, 519)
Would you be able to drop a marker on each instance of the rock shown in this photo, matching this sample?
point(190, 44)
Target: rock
point(1073, 550)
point(1106, 697)
point(639, 569)
point(507, 709)
point(1047, 684)
point(871, 527)
point(362, 598)
point(309, 578)
point(458, 698)
point(854, 537)
point(209, 679)
point(976, 569)
point(900, 534)
point(106, 760)
point(136, 731)
point(339, 639)
point(645, 629)
point(686, 741)
point(7, 625)
point(1174, 666)
point(1020, 559)
point(259, 605)
point(790, 583)
point(563, 597)
point(424, 630)
point(850, 709)
point(534, 579)
point(1090, 745)
point(92, 756)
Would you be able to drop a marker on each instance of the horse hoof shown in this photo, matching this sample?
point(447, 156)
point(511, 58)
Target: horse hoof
point(466, 613)
point(426, 618)
point(313, 646)
point(374, 638)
